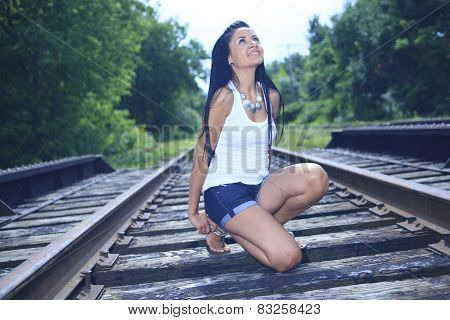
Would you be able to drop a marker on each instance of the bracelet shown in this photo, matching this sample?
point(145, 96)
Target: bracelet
point(220, 232)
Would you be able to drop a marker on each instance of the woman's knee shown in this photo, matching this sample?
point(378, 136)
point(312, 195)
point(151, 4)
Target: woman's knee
point(318, 179)
point(284, 260)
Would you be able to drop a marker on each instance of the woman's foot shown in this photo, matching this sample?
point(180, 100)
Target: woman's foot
point(215, 244)
point(300, 244)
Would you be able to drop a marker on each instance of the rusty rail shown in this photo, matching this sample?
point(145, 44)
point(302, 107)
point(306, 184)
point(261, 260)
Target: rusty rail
point(429, 204)
point(54, 271)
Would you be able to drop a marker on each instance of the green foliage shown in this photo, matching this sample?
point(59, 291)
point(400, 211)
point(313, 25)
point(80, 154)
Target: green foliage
point(378, 61)
point(77, 76)
point(148, 151)
point(69, 65)
point(166, 69)
point(282, 73)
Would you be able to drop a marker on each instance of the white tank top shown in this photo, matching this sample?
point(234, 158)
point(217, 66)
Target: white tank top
point(241, 154)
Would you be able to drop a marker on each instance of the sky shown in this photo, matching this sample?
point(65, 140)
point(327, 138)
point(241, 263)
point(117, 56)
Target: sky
point(278, 24)
point(281, 25)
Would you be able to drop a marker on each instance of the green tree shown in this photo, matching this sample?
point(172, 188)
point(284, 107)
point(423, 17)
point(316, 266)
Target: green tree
point(166, 69)
point(67, 63)
point(398, 77)
point(379, 60)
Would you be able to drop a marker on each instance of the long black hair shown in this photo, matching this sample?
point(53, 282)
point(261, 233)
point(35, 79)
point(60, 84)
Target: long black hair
point(221, 74)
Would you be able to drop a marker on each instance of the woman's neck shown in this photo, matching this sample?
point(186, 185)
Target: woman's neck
point(246, 81)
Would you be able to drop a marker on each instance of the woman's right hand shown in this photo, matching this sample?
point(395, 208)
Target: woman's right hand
point(202, 222)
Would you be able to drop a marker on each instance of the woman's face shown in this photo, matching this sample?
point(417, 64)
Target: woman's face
point(245, 49)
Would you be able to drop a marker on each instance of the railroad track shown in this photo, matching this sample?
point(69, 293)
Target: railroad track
point(372, 236)
point(430, 173)
point(29, 225)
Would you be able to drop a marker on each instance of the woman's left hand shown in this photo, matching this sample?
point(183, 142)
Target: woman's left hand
point(202, 222)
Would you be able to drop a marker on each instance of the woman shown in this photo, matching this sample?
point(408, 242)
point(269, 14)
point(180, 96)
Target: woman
point(237, 133)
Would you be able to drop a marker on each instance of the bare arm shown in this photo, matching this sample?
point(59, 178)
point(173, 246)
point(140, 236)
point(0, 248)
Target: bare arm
point(275, 101)
point(219, 110)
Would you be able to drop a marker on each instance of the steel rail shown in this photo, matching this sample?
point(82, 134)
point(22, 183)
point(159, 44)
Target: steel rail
point(430, 204)
point(75, 252)
point(379, 158)
point(51, 269)
point(27, 171)
point(20, 214)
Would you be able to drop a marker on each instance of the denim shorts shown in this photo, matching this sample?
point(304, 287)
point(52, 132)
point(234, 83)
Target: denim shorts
point(225, 201)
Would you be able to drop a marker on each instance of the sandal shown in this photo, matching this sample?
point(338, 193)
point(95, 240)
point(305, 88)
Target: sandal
point(221, 233)
point(302, 245)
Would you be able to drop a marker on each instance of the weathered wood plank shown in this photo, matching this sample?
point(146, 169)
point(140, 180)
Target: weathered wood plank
point(185, 193)
point(431, 288)
point(24, 206)
point(180, 186)
point(396, 171)
point(435, 179)
point(308, 226)
point(322, 210)
point(73, 198)
point(359, 162)
point(4, 271)
point(325, 274)
point(182, 262)
point(59, 213)
point(441, 185)
point(174, 201)
point(74, 201)
point(391, 166)
point(43, 222)
point(317, 209)
point(12, 258)
point(27, 241)
point(82, 203)
point(421, 173)
point(87, 199)
point(18, 233)
point(422, 162)
point(94, 194)
point(348, 242)
point(373, 165)
point(183, 200)
point(168, 209)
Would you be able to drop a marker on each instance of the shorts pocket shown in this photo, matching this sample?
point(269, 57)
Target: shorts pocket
point(231, 195)
point(228, 188)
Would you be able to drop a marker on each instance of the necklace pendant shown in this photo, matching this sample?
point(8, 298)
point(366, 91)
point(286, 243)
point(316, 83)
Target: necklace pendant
point(247, 104)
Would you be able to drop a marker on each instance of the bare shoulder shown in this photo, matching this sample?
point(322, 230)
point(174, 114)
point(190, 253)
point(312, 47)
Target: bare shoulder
point(275, 100)
point(221, 104)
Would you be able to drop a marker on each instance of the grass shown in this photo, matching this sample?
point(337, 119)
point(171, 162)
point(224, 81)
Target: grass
point(300, 137)
point(296, 136)
point(150, 154)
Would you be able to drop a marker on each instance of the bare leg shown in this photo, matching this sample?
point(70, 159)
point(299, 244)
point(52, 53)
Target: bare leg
point(308, 182)
point(292, 190)
point(299, 203)
point(262, 236)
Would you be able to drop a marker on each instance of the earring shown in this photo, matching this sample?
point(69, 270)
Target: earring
point(232, 64)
